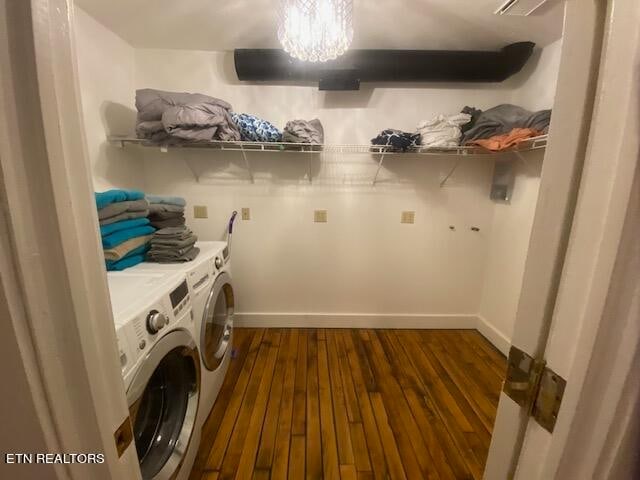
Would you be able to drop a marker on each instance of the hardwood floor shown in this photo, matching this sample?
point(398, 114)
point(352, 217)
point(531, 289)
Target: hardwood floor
point(353, 404)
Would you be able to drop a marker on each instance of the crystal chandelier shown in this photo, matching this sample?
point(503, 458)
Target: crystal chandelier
point(315, 30)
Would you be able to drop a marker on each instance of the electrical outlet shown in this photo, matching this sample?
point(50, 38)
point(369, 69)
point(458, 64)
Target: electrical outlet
point(408, 216)
point(320, 216)
point(246, 214)
point(200, 211)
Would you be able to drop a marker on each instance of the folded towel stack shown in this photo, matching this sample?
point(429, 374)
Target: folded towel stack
point(174, 242)
point(124, 227)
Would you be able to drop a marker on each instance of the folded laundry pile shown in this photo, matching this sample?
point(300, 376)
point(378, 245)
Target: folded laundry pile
point(503, 119)
point(442, 130)
point(397, 139)
point(174, 118)
point(124, 227)
point(166, 211)
point(254, 129)
point(173, 242)
point(301, 131)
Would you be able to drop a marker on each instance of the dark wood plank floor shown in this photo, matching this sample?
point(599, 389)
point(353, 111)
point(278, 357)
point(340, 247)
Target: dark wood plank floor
point(353, 404)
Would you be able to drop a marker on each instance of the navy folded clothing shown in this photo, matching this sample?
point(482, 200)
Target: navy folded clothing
point(117, 195)
point(397, 139)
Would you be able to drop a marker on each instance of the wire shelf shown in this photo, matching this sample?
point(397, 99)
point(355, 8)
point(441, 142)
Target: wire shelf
point(534, 143)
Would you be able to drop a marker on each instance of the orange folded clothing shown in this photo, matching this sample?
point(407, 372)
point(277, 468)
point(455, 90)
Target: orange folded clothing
point(511, 139)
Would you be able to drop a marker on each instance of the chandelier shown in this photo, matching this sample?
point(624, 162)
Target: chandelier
point(315, 30)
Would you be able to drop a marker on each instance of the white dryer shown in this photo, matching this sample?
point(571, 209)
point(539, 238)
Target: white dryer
point(160, 365)
point(212, 299)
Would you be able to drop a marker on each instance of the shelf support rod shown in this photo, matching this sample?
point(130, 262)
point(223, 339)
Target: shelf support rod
point(375, 178)
point(247, 164)
point(310, 158)
point(448, 175)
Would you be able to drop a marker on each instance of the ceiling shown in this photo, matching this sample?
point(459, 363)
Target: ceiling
point(405, 24)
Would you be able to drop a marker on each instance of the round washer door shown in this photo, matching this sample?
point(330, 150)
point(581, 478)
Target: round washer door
point(217, 322)
point(163, 402)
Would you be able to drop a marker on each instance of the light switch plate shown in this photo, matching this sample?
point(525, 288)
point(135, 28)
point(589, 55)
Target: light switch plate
point(320, 216)
point(200, 211)
point(408, 216)
point(246, 214)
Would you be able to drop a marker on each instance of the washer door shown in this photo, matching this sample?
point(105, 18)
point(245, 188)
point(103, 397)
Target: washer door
point(163, 401)
point(217, 322)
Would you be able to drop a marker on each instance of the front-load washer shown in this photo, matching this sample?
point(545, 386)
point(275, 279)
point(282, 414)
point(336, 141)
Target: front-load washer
point(212, 298)
point(161, 365)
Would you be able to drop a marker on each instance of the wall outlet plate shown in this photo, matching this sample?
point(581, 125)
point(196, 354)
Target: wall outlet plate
point(408, 216)
point(320, 216)
point(200, 211)
point(246, 214)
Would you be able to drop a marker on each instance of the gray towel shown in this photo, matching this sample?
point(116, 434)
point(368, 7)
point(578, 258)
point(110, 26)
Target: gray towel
point(173, 233)
point(170, 222)
point(117, 208)
point(504, 118)
point(124, 216)
point(171, 243)
point(165, 215)
point(190, 255)
point(163, 207)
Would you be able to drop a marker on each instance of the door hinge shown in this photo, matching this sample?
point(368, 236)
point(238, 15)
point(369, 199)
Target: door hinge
point(123, 436)
point(535, 387)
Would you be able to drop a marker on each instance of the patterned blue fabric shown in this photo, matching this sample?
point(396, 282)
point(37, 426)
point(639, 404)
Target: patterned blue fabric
point(254, 129)
point(397, 139)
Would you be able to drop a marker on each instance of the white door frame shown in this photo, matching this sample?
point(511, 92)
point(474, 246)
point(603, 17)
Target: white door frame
point(59, 277)
point(595, 331)
point(54, 280)
point(559, 183)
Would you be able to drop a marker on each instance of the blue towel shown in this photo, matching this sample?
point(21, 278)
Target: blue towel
point(167, 200)
point(120, 236)
point(136, 252)
point(122, 225)
point(126, 262)
point(111, 196)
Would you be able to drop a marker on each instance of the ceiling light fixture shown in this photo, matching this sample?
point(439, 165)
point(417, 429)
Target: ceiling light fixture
point(315, 30)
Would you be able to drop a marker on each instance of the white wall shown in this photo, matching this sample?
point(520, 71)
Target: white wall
point(106, 70)
point(363, 262)
point(511, 226)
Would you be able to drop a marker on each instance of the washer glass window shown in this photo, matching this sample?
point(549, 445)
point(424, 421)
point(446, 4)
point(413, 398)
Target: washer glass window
point(217, 322)
point(159, 416)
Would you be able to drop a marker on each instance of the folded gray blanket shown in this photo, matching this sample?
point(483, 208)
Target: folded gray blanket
point(504, 118)
point(188, 256)
point(301, 131)
point(184, 117)
point(117, 208)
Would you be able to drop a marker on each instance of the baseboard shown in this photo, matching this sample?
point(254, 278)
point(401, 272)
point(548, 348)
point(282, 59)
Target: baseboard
point(495, 336)
point(353, 320)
